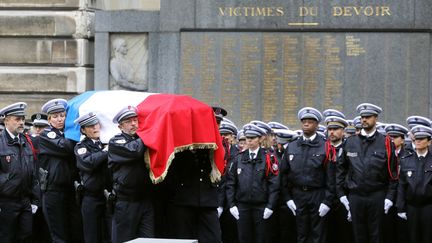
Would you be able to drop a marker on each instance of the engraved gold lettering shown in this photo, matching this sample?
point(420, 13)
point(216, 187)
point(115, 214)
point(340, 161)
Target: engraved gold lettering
point(385, 10)
point(270, 12)
point(260, 12)
point(368, 11)
point(222, 11)
point(279, 11)
point(308, 11)
point(237, 11)
point(347, 11)
point(337, 11)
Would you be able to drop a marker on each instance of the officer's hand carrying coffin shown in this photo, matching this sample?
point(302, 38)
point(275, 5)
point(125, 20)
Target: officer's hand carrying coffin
point(92, 162)
point(58, 166)
point(133, 214)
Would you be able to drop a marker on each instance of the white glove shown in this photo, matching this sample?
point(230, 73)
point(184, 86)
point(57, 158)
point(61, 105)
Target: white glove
point(219, 211)
point(323, 210)
point(291, 205)
point(387, 205)
point(349, 216)
point(345, 202)
point(34, 208)
point(105, 148)
point(267, 213)
point(402, 216)
point(234, 212)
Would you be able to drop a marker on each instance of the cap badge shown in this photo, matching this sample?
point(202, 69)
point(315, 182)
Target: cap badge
point(38, 116)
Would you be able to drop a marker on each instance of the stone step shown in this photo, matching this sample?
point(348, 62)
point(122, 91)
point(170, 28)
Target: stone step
point(77, 24)
point(83, 4)
point(150, 5)
point(70, 4)
point(77, 52)
point(46, 79)
point(34, 101)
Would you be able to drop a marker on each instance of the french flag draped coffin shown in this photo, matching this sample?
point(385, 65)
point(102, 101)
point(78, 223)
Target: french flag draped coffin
point(168, 124)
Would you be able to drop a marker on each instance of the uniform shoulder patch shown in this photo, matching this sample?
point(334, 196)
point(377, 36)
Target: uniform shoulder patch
point(82, 151)
point(52, 135)
point(120, 141)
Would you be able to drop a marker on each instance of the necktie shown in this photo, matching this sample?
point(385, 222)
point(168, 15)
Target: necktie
point(252, 155)
point(99, 144)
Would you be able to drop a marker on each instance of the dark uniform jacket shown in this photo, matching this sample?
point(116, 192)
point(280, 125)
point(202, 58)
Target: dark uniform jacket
point(18, 177)
point(248, 183)
point(363, 167)
point(126, 160)
point(415, 182)
point(229, 157)
point(56, 155)
point(92, 163)
point(189, 179)
point(305, 167)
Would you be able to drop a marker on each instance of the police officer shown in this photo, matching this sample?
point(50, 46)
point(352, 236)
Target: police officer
point(308, 188)
point(357, 124)
point(414, 201)
point(276, 126)
point(228, 223)
point(267, 139)
point(413, 121)
point(395, 228)
point(340, 229)
point(194, 198)
point(253, 187)
point(220, 113)
point(57, 174)
point(40, 227)
point(18, 178)
point(350, 129)
point(40, 122)
point(282, 222)
point(367, 176)
point(92, 162)
point(133, 213)
point(241, 138)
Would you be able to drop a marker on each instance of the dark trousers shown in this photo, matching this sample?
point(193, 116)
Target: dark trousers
point(287, 226)
point(310, 226)
point(63, 216)
point(132, 220)
point(94, 219)
point(367, 213)
point(15, 220)
point(339, 229)
point(395, 229)
point(419, 223)
point(281, 226)
point(228, 226)
point(251, 225)
point(41, 232)
point(189, 222)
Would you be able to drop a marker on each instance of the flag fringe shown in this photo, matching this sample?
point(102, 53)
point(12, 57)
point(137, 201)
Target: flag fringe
point(214, 175)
